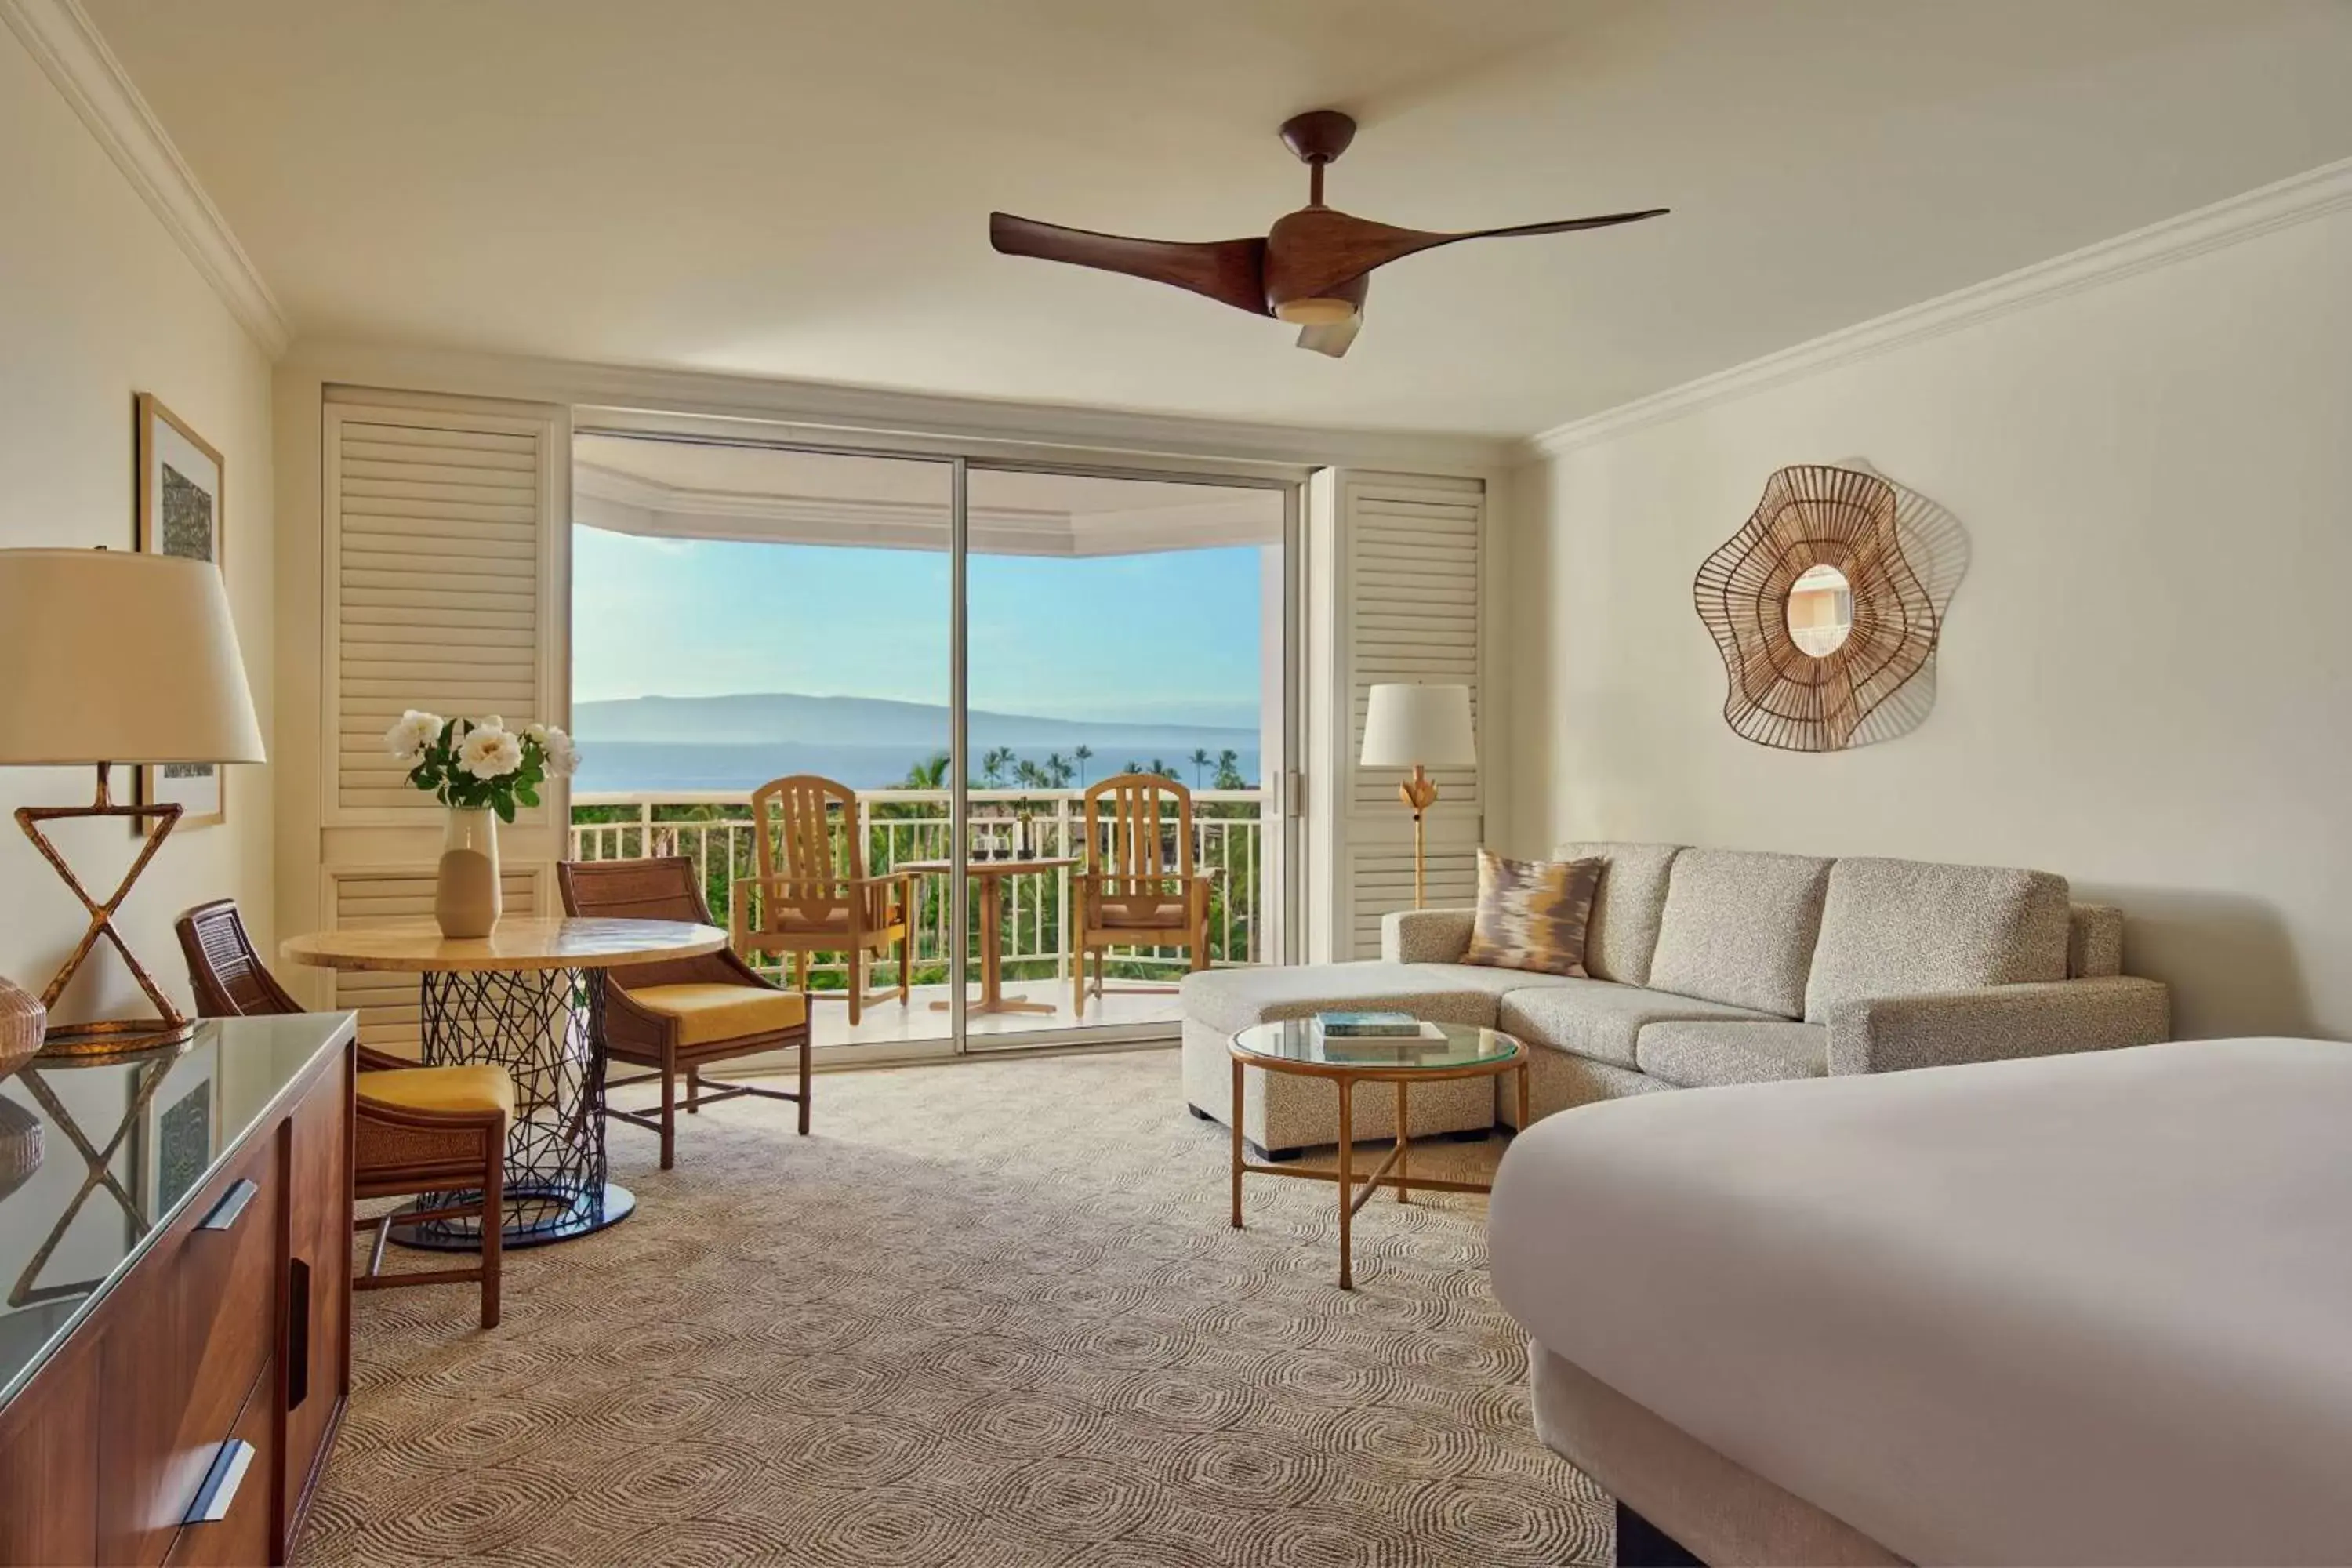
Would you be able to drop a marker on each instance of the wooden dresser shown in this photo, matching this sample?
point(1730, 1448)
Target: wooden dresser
point(175, 1341)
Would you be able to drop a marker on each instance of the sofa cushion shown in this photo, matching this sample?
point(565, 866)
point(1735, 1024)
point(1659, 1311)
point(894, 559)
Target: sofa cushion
point(1739, 928)
point(1600, 1020)
point(1532, 914)
point(1699, 1055)
point(1230, 1000)
point(1897, 928)
point(1624, 931)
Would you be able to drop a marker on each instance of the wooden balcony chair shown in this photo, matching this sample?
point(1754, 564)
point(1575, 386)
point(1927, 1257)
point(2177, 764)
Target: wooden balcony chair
point(414, 1129)
point(683, 1014)
point(811, 893)
point(1139, 888)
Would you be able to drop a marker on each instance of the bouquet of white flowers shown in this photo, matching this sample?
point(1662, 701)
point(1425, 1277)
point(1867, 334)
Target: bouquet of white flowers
point(480, 763)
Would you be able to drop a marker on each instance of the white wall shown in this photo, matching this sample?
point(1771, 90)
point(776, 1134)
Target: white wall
point(2145, 681)
point(98, 302)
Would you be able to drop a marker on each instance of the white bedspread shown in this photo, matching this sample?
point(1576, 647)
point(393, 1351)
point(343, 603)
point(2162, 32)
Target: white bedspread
point(2081, 1309)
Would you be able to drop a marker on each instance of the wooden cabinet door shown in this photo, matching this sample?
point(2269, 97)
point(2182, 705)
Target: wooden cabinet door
point(316, 1358)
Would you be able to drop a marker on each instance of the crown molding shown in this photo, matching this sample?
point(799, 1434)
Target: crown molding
point(612, 396)
point(66, 43)
point(2296, 199)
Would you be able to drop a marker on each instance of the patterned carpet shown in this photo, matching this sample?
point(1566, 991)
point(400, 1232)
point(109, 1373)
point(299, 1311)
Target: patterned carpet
point(990, 1314)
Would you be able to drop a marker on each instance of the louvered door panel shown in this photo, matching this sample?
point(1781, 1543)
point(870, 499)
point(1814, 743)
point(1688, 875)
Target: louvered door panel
point(387, 1003)
point(1414, 562)
point(1409, 559)
point(439, 583)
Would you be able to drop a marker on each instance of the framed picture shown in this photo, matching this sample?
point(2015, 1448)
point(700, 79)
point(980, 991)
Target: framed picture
point(179, 513)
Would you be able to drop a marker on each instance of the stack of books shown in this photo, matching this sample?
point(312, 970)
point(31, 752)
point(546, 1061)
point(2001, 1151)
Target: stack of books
point(1371, 1026)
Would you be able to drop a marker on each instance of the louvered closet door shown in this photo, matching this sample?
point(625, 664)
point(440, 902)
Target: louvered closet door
point(440, 583)
point(444, 566)
point(1410, 555)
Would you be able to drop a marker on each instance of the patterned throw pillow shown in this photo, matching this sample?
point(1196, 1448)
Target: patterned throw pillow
point(1532, 914)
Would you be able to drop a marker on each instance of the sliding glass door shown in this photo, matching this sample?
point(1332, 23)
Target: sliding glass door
point(942, 660)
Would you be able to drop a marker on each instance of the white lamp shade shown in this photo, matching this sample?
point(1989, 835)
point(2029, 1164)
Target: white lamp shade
point(1425, 726)
point(112, 656)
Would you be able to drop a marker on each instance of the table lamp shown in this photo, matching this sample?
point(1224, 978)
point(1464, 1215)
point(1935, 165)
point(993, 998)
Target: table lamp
point(114, 657)
point(1417, 727)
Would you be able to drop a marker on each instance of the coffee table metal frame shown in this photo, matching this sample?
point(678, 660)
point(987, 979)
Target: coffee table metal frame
point(1393, 1172)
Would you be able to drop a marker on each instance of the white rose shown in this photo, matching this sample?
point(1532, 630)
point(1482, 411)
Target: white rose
point(415, 731)
point(490, 752)
point(562, 756)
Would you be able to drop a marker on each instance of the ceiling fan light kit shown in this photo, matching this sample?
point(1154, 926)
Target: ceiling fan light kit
point(1312, 267)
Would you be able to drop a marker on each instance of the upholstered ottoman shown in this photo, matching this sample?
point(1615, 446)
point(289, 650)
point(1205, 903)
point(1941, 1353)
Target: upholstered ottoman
point(1284, 1113)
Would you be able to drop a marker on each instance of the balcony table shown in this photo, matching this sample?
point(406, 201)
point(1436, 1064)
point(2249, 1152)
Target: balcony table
point(992, 998)
point(525, 997)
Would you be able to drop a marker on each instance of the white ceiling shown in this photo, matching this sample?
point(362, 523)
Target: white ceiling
point(799, 189)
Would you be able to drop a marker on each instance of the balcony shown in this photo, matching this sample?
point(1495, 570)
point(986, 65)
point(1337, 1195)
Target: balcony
point(714, 829)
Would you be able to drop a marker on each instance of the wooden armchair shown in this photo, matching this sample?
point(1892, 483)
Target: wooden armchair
point(1139, 888)
point(683, 1013)
point(811, 893)
point(414, 1129)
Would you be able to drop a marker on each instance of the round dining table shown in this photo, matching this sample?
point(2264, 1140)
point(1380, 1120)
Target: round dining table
point(527, 996)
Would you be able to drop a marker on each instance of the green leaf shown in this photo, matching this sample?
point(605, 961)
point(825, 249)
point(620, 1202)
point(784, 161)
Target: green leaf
point(505, 809)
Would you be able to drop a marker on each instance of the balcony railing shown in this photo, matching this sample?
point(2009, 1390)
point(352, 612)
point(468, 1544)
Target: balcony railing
point(714, 829)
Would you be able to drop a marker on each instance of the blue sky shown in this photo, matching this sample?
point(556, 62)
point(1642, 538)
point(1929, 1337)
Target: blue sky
point(1167, 638)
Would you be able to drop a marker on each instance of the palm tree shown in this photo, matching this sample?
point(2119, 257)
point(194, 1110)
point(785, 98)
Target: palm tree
point(992, 765)
point(932, 772)
point(1029, 774)
point(1085, 754)
point(1200, 760)
point(1229, 769)
point(1057, 769)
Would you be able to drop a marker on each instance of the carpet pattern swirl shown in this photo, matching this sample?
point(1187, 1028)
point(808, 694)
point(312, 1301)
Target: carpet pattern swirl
point(990, 1313)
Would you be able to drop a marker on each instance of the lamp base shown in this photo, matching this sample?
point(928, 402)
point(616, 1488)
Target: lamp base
point(106, 1036)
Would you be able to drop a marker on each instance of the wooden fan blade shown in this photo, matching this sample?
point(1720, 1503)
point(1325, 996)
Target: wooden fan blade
point(1231, 271)
point(1334, 339)
point(1314, 250)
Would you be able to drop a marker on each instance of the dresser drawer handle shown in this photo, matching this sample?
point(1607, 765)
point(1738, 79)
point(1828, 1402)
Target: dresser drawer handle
point(232, 1206)
point(218, 1494)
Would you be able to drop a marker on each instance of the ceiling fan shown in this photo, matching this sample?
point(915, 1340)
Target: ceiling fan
point(1312, 267)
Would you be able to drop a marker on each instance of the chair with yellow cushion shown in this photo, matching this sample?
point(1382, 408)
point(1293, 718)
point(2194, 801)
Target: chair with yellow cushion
point(414, 1129)
point(683, 1014)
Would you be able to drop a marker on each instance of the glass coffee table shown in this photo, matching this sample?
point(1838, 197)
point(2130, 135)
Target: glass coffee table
point(1296, 1046)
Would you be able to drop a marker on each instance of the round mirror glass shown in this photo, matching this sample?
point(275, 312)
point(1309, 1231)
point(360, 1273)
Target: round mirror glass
point(1820, 611)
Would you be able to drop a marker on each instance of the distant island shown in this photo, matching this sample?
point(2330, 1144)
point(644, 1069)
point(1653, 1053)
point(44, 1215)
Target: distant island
point(738, 742)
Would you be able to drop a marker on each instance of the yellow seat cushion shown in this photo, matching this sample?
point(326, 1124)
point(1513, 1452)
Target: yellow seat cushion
point(708, 1011)
point(473, 1086)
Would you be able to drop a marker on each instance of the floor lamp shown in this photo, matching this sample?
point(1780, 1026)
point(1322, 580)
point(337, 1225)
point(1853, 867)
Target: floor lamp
point(116, 657)
point(1417, 727)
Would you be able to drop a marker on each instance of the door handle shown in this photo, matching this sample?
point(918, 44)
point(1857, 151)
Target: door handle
point(218, 1494)
point(232, 1206)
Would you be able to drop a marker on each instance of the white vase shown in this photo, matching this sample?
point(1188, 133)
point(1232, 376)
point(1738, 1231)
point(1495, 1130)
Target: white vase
point(466, 895)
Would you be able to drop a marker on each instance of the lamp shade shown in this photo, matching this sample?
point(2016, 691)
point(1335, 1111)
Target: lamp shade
point(111, 656)
point(1425, 726)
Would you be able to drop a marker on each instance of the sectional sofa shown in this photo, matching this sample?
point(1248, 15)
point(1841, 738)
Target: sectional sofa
point(1709, 967)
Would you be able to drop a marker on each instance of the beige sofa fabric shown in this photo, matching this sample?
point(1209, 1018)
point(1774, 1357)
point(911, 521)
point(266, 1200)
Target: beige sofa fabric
point(1698, 1056)
point(1739, 928)
point(1426, 936)
point(1596, 1019)
point(2095, 940)
point(1896, 928)
point(1626, 908)
point(1558, 1081)
point(1890, 1033)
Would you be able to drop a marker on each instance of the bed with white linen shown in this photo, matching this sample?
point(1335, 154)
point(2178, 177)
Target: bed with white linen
point(2074, 1309)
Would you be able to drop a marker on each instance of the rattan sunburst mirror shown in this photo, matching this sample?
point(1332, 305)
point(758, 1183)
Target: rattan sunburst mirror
point(1827, 606)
